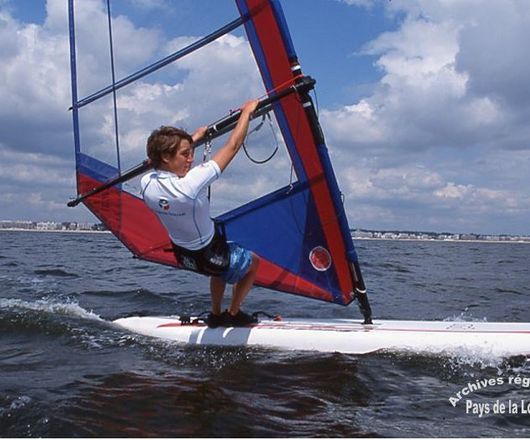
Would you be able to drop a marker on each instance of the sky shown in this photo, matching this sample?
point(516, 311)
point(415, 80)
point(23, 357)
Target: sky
point(424, 103)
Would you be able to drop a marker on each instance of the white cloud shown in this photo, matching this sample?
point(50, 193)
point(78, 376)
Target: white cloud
point(404, 183)
point(453, 98)
point(392, 198)
point(209, 84)
point(35, 87)
point(421, 100)
point(151, 4)
point(360, 3)
point(442, 140)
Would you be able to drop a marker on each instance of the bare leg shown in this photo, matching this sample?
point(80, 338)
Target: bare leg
point(243, 286)
point(217, 290)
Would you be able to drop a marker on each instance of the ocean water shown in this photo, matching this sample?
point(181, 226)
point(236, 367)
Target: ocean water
point(66, 371)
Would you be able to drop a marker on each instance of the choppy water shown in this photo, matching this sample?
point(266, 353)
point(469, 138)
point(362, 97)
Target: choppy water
point(65, 371)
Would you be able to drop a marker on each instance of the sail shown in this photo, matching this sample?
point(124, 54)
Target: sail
point(300, 232)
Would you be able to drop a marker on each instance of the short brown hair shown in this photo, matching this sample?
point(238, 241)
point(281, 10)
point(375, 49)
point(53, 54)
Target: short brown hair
point(165, 140)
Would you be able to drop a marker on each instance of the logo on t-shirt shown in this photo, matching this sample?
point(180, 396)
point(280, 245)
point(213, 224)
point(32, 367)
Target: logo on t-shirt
point(163, 203)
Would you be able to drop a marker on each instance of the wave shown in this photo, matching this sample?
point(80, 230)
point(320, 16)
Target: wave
point(55, 273)
point(68, 320)
point(50, 307)
point(9, 405)
point(502, 290)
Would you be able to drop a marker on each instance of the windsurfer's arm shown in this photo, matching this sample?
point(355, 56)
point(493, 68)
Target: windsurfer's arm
point(225, 155)
point(199, 134)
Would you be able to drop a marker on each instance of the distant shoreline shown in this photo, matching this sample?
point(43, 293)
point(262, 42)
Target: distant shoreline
point(354, 238)
point(79, 231)
point(442, 241)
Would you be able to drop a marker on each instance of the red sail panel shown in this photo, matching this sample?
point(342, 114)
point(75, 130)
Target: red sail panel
point(269, 39)
point(130, 220)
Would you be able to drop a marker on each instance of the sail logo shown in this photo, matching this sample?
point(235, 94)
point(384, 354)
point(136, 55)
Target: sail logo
point(164, 204)
point(320, 258)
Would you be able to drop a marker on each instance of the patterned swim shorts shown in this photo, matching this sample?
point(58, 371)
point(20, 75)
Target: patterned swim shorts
point(240, 261)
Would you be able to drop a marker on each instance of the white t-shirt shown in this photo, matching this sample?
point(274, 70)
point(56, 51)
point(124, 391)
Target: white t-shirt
point(181, 203)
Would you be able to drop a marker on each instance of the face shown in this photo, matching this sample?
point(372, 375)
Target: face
point(180, 162)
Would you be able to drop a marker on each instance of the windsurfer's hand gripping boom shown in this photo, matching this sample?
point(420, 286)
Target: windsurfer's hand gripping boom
point(225, 155)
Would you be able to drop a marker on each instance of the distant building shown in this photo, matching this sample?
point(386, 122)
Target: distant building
point(355, 233)
point(17, 224)
point(359, 233)
point(49, 226)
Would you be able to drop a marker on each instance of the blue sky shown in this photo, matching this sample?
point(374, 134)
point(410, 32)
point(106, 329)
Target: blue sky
point(424, 103)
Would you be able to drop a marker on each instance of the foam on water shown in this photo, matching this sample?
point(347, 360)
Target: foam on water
point(465, 316)
point(49, 306)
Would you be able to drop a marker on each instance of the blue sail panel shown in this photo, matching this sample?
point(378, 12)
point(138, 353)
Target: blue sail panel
point(280, 228)
point(275, 55)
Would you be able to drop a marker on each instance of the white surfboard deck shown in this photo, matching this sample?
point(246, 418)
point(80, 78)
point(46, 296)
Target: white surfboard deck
point(345, 335)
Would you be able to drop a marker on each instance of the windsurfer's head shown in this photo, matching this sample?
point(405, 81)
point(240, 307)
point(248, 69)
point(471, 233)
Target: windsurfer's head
point(170, 149)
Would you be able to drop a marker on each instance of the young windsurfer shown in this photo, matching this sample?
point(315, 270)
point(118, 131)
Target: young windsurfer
point(177, 193)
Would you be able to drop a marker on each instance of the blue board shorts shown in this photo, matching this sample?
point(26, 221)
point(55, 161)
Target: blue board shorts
point(240, 261)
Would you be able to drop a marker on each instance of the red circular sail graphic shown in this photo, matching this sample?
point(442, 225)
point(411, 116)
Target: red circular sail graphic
point(320, 258)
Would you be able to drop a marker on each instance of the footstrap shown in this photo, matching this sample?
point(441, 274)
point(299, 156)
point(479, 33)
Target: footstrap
point(186, 319)
point(268, 315)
